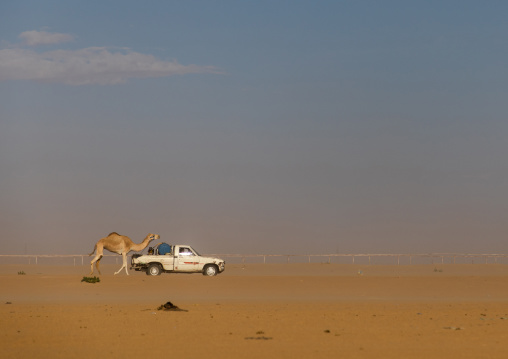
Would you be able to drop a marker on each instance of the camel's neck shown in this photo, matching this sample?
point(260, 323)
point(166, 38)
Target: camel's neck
point(140, 246)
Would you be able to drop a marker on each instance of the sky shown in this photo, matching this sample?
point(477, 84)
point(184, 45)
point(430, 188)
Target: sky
point(255, 127)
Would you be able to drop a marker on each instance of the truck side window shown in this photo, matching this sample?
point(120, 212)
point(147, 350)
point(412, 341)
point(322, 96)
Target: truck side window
point(185, 251)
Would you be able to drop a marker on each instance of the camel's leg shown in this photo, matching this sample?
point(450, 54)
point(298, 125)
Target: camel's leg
point(96, 261)
point(124, 256)
point(97, 264)
point(125, 263)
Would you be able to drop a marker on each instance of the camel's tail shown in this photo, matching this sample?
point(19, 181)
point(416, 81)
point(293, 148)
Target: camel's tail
point(94, 248)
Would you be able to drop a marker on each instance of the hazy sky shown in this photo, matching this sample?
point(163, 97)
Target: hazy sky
point(255, 126)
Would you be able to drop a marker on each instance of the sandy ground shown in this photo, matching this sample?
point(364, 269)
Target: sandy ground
point(256, 311)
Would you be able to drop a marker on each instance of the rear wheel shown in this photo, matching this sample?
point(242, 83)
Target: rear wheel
point(154, 269)
point(211, 270)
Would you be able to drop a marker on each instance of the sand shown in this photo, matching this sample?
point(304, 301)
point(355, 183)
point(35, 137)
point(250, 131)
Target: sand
point(257, 310)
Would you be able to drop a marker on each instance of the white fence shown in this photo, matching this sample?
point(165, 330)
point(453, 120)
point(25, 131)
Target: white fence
point(371, 258)
point(358, 258)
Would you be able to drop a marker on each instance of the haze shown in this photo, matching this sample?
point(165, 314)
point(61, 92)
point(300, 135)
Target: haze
point(284, 127)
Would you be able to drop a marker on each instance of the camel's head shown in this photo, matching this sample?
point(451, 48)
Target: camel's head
point(152, 236)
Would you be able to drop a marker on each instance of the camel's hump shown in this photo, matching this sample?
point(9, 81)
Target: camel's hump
point(113, 233)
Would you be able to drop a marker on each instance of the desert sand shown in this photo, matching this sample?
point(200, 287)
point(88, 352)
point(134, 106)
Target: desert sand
point(257, 310)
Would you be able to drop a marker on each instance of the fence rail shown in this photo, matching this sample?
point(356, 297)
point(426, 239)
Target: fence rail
point(356, 258)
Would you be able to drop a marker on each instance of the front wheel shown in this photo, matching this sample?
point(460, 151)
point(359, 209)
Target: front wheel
point(211, 270)
point(154, 269)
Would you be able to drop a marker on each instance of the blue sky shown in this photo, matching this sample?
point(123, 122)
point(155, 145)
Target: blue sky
point(254, 127)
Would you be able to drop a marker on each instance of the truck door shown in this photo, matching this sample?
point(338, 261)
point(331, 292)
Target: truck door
point(188, 261)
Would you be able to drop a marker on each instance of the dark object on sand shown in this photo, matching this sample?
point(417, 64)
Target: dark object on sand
point(91, 279)
point(168, 306)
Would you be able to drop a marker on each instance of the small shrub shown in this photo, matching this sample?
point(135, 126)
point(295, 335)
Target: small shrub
point(21, 273)
point(93, 279)
point(438, 270)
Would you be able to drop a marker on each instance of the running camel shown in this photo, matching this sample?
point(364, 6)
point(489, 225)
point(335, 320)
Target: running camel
point(119, 244)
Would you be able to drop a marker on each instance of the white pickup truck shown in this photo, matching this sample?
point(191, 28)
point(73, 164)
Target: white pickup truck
point(165, 258)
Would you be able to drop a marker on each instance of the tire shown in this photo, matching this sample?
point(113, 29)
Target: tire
point(211, 270)
point(154, 269)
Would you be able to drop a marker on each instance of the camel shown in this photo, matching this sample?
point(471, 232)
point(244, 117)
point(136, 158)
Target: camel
point(117, 243)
